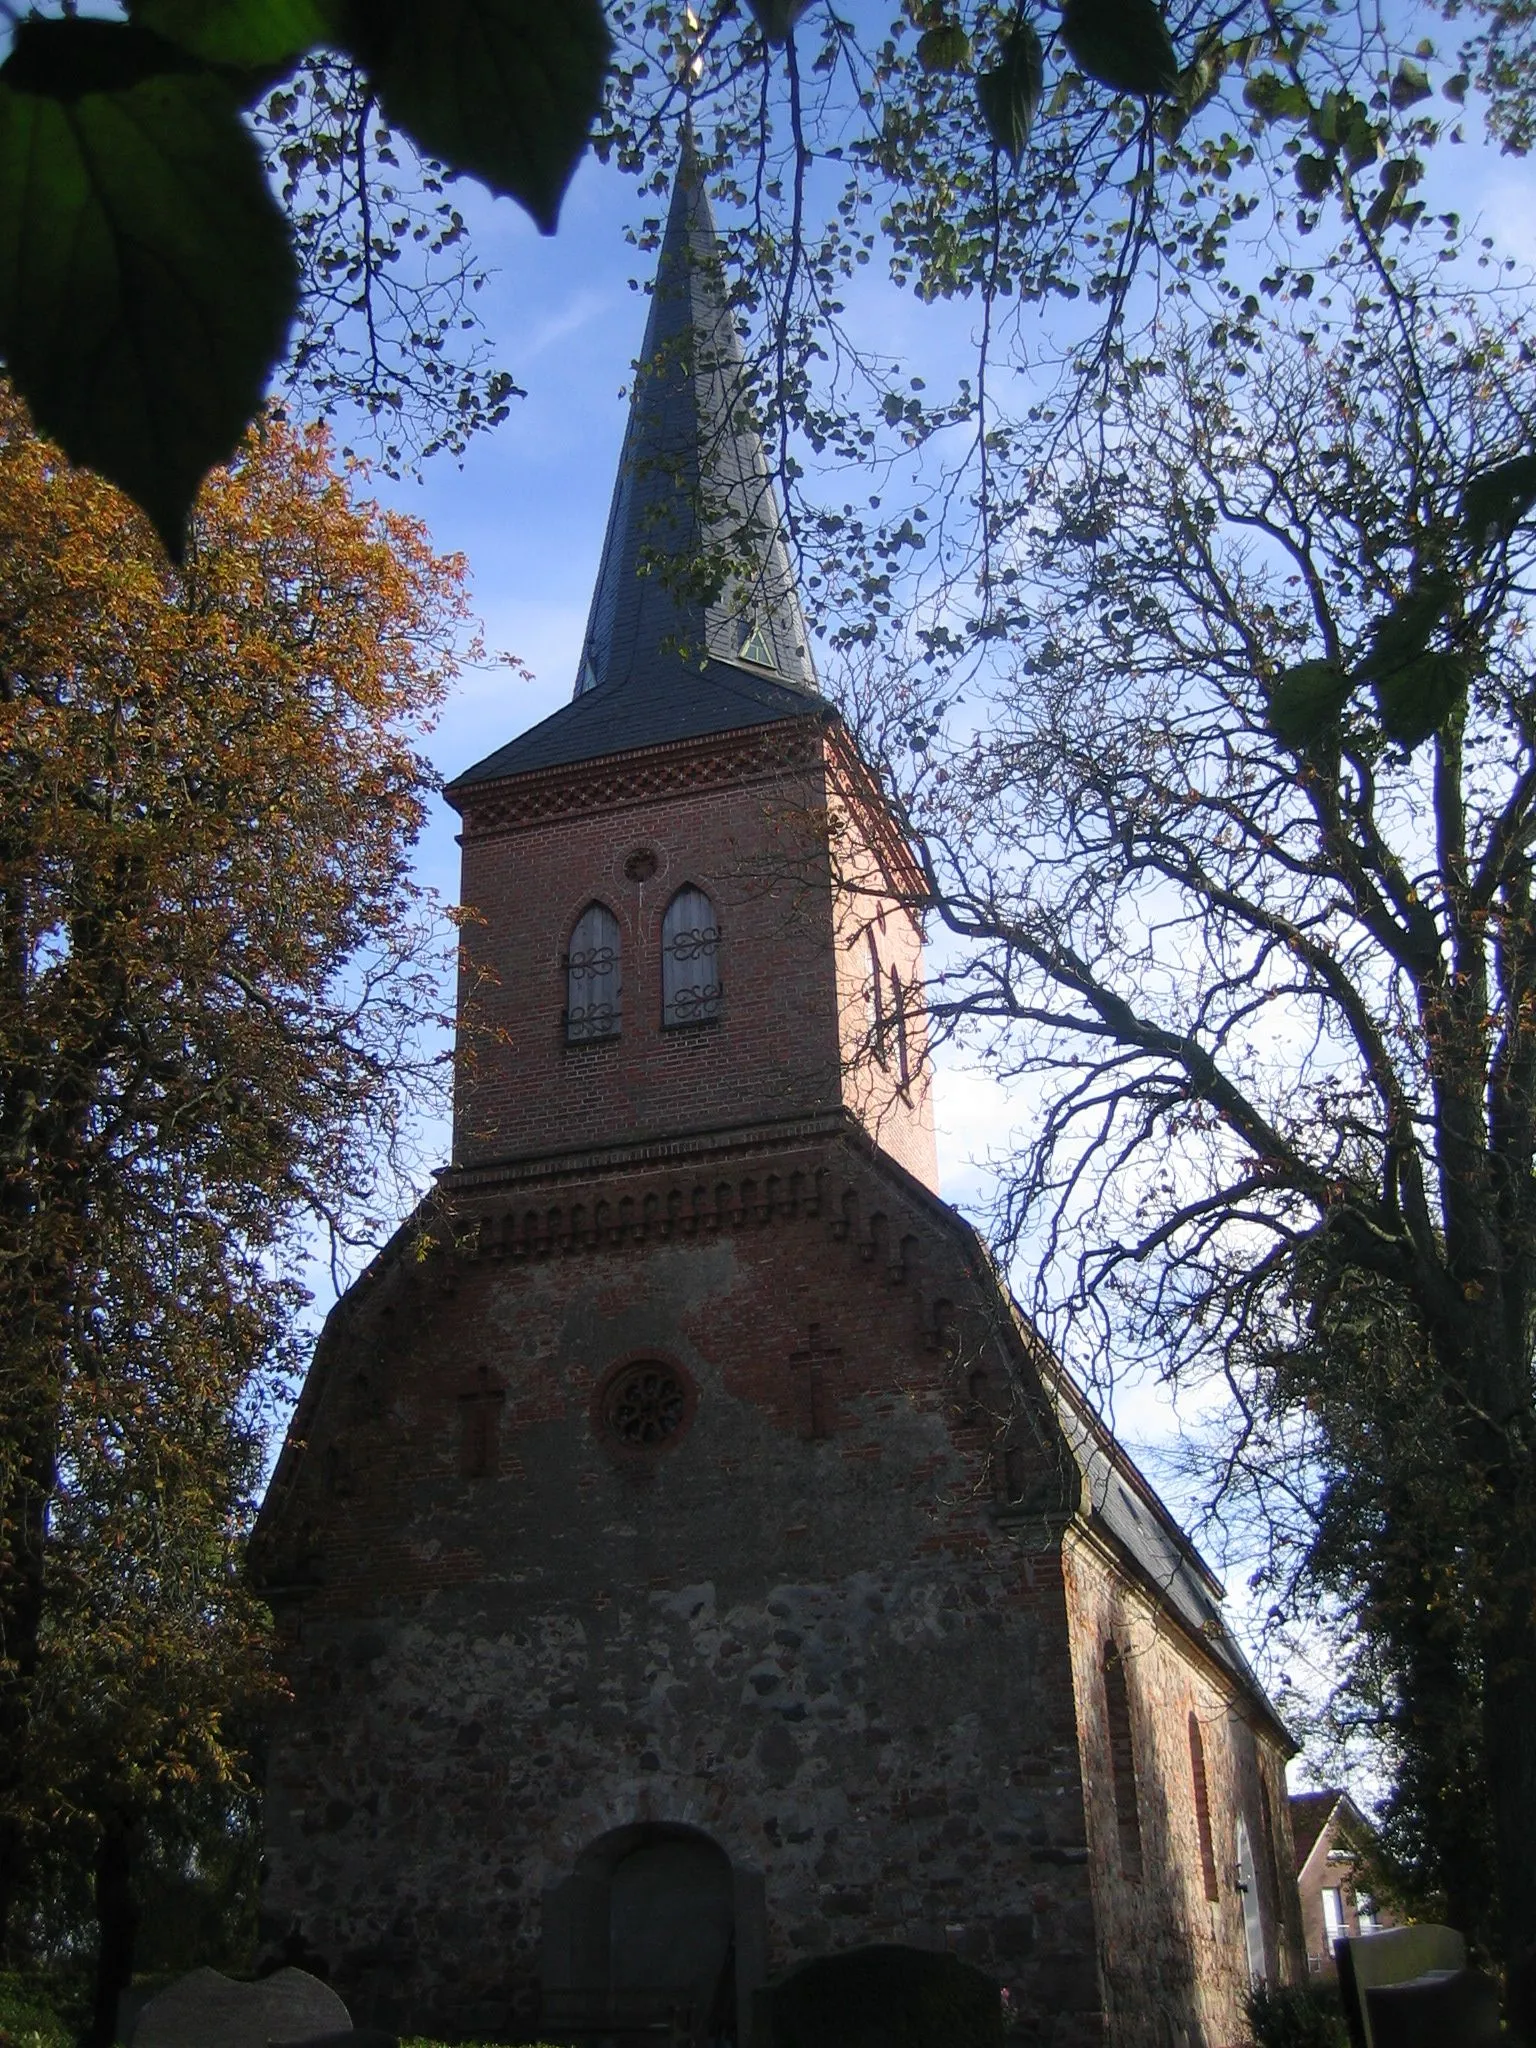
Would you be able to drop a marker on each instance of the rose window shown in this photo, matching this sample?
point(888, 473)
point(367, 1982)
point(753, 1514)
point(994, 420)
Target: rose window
point(645, 1404)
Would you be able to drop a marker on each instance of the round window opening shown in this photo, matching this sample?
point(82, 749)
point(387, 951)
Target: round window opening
point(645, 1404)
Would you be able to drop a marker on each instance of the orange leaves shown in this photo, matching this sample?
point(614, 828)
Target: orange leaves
point(215, 981)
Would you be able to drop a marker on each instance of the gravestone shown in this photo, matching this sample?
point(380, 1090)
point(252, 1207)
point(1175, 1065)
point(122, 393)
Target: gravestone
point(209, 2010)
point(884, 1996)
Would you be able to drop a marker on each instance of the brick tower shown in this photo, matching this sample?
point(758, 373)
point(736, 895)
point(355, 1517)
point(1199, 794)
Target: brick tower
point(686, 1561)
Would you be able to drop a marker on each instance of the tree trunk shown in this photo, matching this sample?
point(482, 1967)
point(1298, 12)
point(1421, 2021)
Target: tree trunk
point(1509, 1742)
point(117, 1922)
point(29, 1446)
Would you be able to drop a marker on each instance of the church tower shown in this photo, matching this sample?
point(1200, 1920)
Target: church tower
point(691, 913)
point(686, 1562)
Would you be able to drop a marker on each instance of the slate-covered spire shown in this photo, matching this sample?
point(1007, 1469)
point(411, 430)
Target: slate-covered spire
point(693, 489)
point(658, 665)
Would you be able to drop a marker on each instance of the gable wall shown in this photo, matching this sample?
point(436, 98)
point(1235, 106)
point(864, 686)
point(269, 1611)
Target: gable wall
point(835, 1653)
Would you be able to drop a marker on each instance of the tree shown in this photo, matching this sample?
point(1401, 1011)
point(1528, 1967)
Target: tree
point(1238, 874)
point(152, 1659)
point(149, 280)
point(215, 975)
point(987, 150)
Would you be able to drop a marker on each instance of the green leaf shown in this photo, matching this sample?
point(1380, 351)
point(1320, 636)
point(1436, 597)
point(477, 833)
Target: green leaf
point(1496, 500)
point(505, 90)
point(1410, 85)
point(65, 60)
point(146, 280)
point(1314, 174)
point(1455, 89)
point(1340, 121)
point(1305, 701)
point(944, 48)
point(1276, 98)
point(777, 17)
point(1397, 177)
point(1123, 44)
point(1010, 92)
point(248, 34)
point(1417, 699)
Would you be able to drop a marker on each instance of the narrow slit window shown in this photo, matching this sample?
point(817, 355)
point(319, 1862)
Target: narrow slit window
point(1122, 1762)
point(592, 987)
point(899, 1020)
point(1203, 1810)
point(690, 960)
point(877, 1018)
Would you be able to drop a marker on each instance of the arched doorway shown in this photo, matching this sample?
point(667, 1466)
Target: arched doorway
point(641, 1942)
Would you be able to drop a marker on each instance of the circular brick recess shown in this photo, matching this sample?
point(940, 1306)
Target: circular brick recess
point(645, 1405)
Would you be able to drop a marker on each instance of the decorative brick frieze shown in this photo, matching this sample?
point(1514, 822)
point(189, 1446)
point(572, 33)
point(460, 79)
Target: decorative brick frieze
point(739, 761)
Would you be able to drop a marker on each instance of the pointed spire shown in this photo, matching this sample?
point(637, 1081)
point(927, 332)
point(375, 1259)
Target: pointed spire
point(694, 567)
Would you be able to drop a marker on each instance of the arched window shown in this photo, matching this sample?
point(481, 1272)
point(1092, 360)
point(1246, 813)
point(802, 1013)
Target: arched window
point(1122, 1761)
point(899, 1019)
point(1203, 1810)
point(592, 988)
point(690, 960)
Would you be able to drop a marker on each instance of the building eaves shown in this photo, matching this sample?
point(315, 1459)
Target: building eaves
point(675, 702)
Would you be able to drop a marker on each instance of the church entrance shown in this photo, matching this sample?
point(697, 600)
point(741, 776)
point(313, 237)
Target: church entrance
point(640, 1944)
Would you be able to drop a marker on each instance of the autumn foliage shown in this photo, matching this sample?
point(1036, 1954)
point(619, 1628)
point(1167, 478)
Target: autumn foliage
point(214, 973)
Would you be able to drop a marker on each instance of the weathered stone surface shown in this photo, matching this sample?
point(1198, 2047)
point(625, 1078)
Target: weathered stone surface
point(208, 2010)
point(1159, 1926)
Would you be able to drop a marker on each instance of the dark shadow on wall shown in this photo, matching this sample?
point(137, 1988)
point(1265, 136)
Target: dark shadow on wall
point(1145, 1946)
point(654, 1929)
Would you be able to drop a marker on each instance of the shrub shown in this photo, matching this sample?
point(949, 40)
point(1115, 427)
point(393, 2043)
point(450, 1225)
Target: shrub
point(1297, 2016)
point(28, 2016)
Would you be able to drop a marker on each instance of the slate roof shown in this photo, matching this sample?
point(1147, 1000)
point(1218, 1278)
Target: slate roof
point(662, 661)
point(1126, 1506)
point(682, 702)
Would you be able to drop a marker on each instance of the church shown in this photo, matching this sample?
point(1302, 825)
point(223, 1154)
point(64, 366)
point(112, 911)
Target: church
point(687, 1562)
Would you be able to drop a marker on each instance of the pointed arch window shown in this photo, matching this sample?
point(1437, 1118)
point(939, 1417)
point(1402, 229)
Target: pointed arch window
point(592, 984)
point(690, 960)
point(756, 646)
point(1203, 1810)
point(1122, 1761)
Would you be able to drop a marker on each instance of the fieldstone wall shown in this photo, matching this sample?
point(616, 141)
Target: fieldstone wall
point(823, 1622)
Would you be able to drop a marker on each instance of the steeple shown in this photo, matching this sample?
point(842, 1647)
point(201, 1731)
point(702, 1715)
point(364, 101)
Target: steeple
point(693, 483)
point(695, 624)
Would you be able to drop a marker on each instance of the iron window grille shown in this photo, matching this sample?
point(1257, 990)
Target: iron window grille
point(690, 960)
point(593, 992)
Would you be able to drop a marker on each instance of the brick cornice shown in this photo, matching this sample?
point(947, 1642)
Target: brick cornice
point(640, 775)
point(599, 1162)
